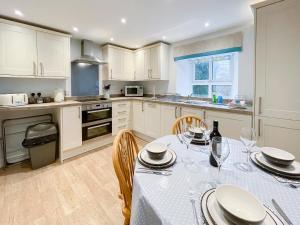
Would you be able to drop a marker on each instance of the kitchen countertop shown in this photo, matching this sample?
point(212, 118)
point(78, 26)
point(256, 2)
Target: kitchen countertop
point(207, 106)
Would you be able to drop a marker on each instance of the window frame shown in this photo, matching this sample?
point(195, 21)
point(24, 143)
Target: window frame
point(210, 82)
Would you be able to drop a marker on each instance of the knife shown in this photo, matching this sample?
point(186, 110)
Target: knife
point(281, 212)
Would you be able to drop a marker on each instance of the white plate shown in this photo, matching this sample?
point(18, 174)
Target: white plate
point(156, 148)
point(174, 157)
point(278, 155)
point(293, 169)
point(213, 214)
point(146, 158)
point(255, 161)
point(240, 204)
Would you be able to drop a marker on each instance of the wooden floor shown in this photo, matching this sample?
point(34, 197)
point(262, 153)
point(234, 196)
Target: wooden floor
point(79, 191)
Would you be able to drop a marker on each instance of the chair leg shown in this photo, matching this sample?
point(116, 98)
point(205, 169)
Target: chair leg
point(126, 221)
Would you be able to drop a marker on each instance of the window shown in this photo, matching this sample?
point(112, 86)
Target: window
point(214, 74)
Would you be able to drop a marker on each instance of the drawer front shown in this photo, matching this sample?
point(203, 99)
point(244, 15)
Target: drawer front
point(120, 121)
point(116, 128)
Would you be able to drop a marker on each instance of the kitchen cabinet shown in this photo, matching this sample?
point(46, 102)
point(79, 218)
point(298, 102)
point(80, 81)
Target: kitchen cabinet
point(120, 63)
point(184, 111)
point(70, 127)
point(152, 62)
point(53, 55)
point(168, 117)
point(121, 116)
point(277, 108)
point(18, 55)
point(277, 60)
point(152, 119)
point(28, 51)
point(230, 124)
point(279, 133)
point(138, 116)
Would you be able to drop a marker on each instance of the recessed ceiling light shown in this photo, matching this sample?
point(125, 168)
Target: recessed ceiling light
point(164, 37)
point(18, 12)
point(111, 39)
point(123, 20)
point(75, 29)
point(207, 24)
point(137, 46)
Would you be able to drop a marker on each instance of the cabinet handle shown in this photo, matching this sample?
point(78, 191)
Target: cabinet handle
point(134, 75)
point(122, 104)
point(176, 112)
point(123, 112)
point(180, 111)
point(42, 69)
point(142, 106)
point(258, 126)
point(110, 73)
point(148, 73)
point(34, 68)
point(102, 125)
point(204, 114)
point(259, 105)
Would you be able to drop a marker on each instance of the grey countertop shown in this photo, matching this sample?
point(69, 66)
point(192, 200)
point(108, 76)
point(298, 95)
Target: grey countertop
point(193, 103)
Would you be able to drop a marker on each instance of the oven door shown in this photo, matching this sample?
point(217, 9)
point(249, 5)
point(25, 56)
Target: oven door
point(98, 114)
point(96, 130)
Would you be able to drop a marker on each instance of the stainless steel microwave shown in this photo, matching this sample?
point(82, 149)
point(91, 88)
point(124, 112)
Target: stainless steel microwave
point(134, 91)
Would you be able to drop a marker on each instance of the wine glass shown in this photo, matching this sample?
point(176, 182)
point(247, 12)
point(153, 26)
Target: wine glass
point(248, 138)
point(220, 151)
point(187, 135)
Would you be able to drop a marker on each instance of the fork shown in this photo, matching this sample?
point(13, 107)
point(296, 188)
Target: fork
point(154, 172)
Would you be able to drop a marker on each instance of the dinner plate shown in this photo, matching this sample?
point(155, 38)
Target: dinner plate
point(213, 215)
point(239, 204)
point(277, 156)
point(158, 166)
point(293, 169)
point(262, 166)
point(165, 160)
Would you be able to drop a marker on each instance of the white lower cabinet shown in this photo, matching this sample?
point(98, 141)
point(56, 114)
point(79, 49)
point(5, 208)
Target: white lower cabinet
point(152, 119)
point(230, 124)
point(168, 116)
point(121, 116)
point(279, 133)
point(184, 111)
point(70, 127)
point(138, 116)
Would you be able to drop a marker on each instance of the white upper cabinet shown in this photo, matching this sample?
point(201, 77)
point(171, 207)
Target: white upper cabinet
point(53, 55)
point(277, 60)
point(152, 63)
point(128, 65)
point(27, 51)
point(18, 55)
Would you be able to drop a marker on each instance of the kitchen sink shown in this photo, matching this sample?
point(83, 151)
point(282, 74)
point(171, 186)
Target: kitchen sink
point(193, 102)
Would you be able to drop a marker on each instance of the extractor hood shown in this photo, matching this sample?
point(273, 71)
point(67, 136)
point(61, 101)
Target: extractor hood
point(88, 54)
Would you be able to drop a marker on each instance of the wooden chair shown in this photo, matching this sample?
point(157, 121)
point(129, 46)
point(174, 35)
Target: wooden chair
point(125, 151)
point(187, 120)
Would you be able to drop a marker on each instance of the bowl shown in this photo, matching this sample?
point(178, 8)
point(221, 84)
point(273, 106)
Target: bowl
point(156, 150)
point(278, 156)
point(240, 205)
point(197, 132)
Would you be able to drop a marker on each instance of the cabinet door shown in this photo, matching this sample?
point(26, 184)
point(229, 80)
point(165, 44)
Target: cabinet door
point(277, 60)
point(155, 58)
point(18, 51)
point(152, 122)
point(147, 64)
point(185, 111)
point(278, 133)
point(168, 117)
point(230, 124)
point(138, 116)
point(53, 55)
point(71, 132)
point(115, 63)
point(140, 65)
point(128, 65)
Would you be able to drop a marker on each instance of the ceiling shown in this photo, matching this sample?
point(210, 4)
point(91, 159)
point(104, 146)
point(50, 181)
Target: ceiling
point(147, 20)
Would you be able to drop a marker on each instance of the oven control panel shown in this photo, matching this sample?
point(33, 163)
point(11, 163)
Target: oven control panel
point(96, 106)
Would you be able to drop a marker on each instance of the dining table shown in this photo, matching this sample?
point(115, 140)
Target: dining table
point(168, 200)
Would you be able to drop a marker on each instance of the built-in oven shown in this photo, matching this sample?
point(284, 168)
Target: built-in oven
point(96, 120)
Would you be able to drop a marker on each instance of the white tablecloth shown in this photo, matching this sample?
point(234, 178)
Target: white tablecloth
point(166, 199)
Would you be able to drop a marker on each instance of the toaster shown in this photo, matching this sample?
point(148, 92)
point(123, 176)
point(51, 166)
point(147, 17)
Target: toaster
point(13, 99)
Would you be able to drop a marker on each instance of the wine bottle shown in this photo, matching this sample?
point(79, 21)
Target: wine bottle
point(214, 133)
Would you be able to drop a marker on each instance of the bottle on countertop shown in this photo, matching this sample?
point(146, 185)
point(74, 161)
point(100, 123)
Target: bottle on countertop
point(39, 98)
point(214, 133)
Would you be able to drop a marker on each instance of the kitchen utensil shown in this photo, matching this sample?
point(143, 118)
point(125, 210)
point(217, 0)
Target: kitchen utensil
point(281, 212)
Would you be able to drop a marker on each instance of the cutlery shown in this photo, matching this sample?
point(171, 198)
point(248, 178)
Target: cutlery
point(149, 169)
point(294, 185)
point(281, 212)
point(286, 181)
point(195, 211)
point(154, 172)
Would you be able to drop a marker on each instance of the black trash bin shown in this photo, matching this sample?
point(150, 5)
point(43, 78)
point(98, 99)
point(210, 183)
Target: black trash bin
point(41, 140)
